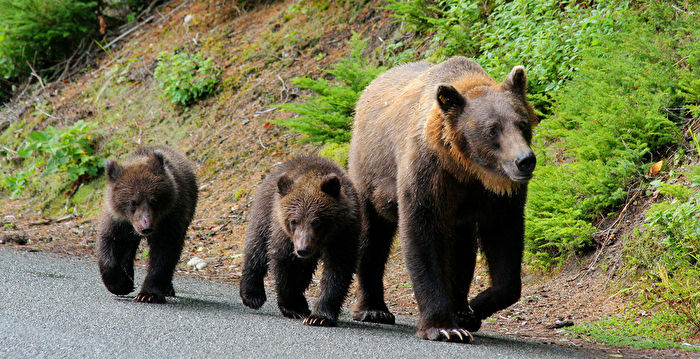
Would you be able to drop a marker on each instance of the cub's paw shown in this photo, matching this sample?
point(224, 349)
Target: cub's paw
point(295, 313)
point(456, 335)
point(253, 298)
point(117, 282)
point(317, 320)
point(149, 298)
point(374, 316)
point(123, 287)
point(468, 321)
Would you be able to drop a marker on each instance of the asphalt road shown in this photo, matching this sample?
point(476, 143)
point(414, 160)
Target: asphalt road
point(55, 306)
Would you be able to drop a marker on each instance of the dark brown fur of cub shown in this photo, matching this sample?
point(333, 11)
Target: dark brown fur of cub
point(305, 210)
point(153, 195)
point(442, 152)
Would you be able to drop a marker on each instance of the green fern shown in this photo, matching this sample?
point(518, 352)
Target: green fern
point(327, 116)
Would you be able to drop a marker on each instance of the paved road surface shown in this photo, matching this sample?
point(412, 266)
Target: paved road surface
point(56, 306)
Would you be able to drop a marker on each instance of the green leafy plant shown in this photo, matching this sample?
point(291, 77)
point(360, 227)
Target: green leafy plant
point(638, 331)
point(41, 31)
point(547, 37)
point(185, 78)
point(69, 152)
point(338, 152)
point(606, 122)
point(327, 116)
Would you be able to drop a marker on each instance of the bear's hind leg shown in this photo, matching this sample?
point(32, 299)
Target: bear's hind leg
point(374, 251)
point(463, 261)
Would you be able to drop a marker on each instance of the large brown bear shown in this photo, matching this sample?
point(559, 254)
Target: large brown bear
point(153, 195)
point(305, 210)
point(443, 152)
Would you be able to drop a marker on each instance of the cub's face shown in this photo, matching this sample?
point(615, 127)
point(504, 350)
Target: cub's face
point(307, 211)
point(140, 193)
point(493, 127)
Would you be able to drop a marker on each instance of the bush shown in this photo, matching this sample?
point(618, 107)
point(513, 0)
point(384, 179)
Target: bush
point(327, 116)
point(68, 152)
point(338, 152)
point(185, 78)
point(41, 31)
point(546, 37)
point(607, 121)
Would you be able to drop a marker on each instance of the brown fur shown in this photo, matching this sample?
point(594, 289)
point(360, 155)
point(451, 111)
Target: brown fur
point(305, 210)
point(442, 152)
point(152, 195)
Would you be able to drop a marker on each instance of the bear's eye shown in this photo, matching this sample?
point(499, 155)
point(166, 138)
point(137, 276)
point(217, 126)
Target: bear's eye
point(132, 205)
point(316, 223)
point(493, 131)
point(523, 126)
point(293, 223)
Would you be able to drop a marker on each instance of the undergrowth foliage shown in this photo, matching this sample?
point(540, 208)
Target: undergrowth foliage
point(607, 122)
point(41, 34)
point(185, 78)
point(41, 31)
point(68, 152)
point(326, 117)
point(546, 37)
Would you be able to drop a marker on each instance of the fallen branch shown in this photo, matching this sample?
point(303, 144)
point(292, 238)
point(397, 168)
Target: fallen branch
point(41, 82)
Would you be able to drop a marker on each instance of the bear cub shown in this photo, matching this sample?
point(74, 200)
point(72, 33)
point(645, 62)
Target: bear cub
point(152, 195)
point(305, 210)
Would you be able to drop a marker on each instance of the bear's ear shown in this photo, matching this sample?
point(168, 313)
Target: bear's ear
point(284, 185)
point(113, 170)
point(516, 81)
point(331, 185)
point(158, 162)
point(450, 99)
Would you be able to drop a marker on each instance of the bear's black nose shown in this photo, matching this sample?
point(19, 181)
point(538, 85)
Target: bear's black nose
point(146, 230)
point(526, 162)
point(304, 252)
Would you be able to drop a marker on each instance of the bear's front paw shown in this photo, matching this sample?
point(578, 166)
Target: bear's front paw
point(318, 320)
point(456, 335)
point(118, 283)
point(374, 316)
point(253, 298)
point(468, 321)
point(294, 313)
point(149, 298)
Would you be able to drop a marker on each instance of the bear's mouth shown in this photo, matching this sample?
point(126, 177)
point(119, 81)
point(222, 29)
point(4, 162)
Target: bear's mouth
point(516, 175)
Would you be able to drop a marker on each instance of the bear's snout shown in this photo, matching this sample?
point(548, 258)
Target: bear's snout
point(144, 223)
point(526, 162)
point(303, 244)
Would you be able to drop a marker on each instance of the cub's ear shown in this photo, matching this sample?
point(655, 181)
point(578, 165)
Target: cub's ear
point(449, 98)
point(158, 162)
point(331, 185)
point(113, 170)
point(284, 185)
point(516, 81)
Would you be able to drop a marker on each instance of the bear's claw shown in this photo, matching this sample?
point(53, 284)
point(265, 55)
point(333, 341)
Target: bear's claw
point(457, 335)
point(319, 321)
point(149, 298)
